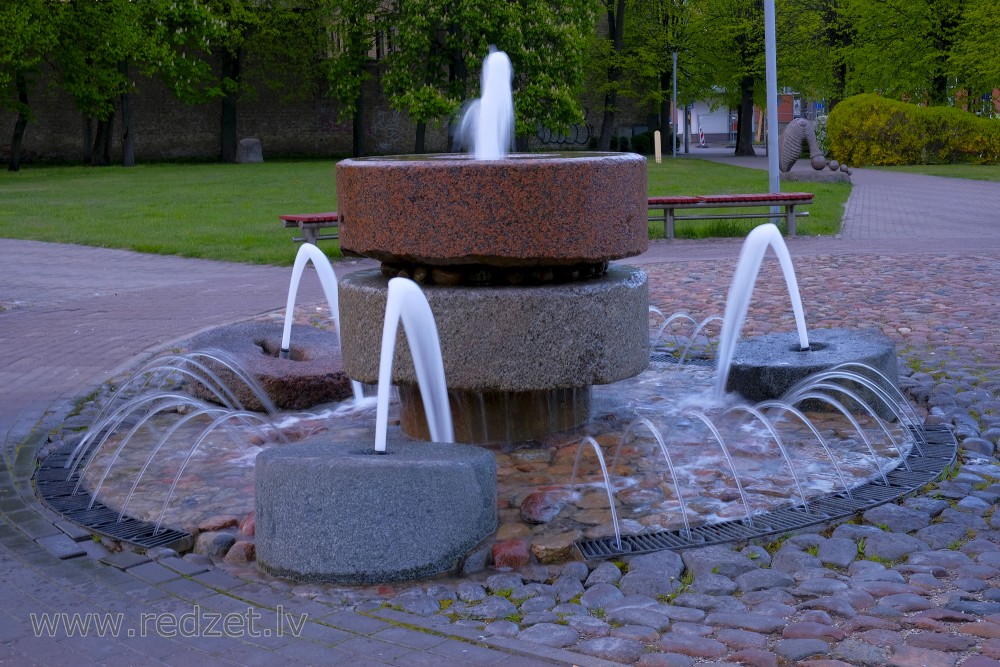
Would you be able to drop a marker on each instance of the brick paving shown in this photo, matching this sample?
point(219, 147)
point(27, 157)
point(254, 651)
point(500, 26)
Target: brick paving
point(74, 317)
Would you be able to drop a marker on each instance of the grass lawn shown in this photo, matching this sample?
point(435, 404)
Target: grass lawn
point(975, 172)
point(230, 212)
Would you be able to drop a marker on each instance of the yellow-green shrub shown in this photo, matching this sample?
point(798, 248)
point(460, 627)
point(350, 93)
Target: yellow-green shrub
point(871, 130)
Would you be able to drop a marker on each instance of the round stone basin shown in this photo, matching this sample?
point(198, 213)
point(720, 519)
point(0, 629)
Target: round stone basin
point(555, 209)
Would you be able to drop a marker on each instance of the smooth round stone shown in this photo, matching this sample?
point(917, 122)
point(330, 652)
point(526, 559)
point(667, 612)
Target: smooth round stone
point(341, 513)
point(525, 210)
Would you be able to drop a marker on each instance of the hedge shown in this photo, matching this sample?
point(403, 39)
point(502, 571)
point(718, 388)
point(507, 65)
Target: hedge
point(871, 130)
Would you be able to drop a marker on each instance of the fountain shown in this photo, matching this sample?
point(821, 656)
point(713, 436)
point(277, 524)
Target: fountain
point(513, 254)
point(519, 299)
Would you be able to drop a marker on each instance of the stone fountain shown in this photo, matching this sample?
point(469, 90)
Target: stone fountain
point(514, 257)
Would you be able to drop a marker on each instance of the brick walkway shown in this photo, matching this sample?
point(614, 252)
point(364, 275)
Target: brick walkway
point(73, 317)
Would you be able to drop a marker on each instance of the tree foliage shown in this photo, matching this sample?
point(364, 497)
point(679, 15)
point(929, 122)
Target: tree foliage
point(439, 46)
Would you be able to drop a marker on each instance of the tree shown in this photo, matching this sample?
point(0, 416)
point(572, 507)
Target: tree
point(814, 35)
point(439, 46)
point(27, 32)
point(726, 60)
point(95, 43)
point(901, 48)
point(612, 52)
point(975, 58)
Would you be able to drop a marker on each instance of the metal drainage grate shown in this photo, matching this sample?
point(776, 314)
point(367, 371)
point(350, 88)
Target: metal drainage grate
point(56, 491)
point(937, 451)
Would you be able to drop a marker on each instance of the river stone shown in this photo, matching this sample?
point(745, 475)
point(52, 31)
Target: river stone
point(897, 519)
point(892, 546)
point(837, 551)
point(550, 634)
point(615, 649)
point(717, 560)
point(799, 649)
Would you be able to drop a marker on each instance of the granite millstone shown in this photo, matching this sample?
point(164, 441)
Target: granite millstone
point(340, 513)
point(510, 338)
point(765, 367)
point(313, 374)
point(525, 210)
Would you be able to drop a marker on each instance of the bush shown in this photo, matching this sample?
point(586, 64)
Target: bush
point(643, 143)
point(871, 130)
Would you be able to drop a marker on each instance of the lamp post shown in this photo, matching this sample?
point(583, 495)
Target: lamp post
point(771, 73)
point(673, 109)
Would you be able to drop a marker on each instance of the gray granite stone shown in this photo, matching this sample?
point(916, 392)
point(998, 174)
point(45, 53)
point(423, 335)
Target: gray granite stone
point(615, 649)
point(897, 519)
point(550, 634)
point(717, 560)
point(892, 546)
point(800, 649)
point(324, 510)
point(837, 551)
point(763, 578)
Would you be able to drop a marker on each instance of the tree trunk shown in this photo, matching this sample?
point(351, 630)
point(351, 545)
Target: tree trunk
point(666, 92)
point(232, 64)
point(128, 138)
point(88, 140)
point(102, 141)
point(418, 144)
point(616, 33)
point(20, 124)
point(358, 127)
point(744, 122)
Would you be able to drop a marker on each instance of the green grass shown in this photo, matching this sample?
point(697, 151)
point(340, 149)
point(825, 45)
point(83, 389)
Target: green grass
point(975, 172)
point(230, 212)
point(227, 212)
point(702, 177)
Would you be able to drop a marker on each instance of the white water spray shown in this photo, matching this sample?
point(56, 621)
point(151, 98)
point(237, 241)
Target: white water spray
point(327, 278)
point(488, 123)
point(406, 302)
point(747, 269)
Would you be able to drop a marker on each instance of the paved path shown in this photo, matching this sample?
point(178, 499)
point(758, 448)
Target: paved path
point(73, 317)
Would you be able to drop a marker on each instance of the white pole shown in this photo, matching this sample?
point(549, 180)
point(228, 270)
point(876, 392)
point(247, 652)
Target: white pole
point(673, 110)
point(771, 72)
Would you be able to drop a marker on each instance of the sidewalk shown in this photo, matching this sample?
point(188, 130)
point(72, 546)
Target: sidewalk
point(71, 317)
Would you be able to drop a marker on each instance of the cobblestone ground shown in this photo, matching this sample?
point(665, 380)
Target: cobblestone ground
point(907, 583)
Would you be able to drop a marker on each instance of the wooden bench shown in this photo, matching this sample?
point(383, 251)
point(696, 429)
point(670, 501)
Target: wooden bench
point(310, 225)
point(662, 208)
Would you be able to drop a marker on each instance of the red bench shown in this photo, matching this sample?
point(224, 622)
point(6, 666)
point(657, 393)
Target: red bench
point(662, 208)
point(311, 223)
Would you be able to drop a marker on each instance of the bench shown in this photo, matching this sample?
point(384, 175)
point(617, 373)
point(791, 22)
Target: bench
point(662, 208)
point(310, 225)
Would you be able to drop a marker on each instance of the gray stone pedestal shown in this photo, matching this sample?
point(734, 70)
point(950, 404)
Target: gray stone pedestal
point(765, 367)
point(338, 512)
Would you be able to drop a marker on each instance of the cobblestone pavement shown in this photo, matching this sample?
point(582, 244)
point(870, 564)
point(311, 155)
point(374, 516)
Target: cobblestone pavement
point(911, 583)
